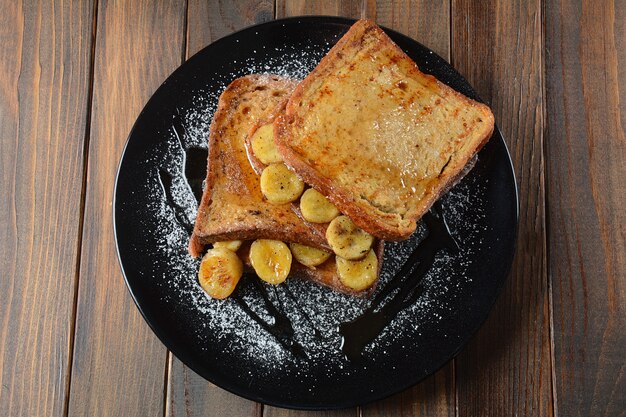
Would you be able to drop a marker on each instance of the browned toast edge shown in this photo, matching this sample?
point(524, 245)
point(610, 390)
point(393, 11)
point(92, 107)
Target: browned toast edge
point(342, 197)
point(197, 241)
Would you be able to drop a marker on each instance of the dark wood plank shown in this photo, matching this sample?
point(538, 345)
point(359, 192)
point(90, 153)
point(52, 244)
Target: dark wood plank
point(345, 8)
point(586, 149)
point(188, 394)
point(506, 369)
point(281, 412)
point(44, 89)
point(119, 365)
point(211, 20)
point(434, 396)
point(428, 22)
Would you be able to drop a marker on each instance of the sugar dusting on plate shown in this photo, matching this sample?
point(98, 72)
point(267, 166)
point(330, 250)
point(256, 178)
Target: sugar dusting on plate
point(315, 311)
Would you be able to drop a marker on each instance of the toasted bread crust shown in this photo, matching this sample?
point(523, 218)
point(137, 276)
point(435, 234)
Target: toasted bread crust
point(326, 273)
point(232, 205)
point(387, 212)
point(229, 169)
point(258, 166)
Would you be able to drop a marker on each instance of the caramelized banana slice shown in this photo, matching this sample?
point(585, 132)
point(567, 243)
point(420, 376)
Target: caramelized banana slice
point(263, 145)
point(358, 275)
point(316, 208)
point(307, 255)
point(220, 271)
point(232, 245)
point(279, 185)
point(347, 240)
point(271, 260)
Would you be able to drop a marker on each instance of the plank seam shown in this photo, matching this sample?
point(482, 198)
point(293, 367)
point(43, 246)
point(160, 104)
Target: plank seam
point(546, 219)
point(185, 51)
point(166, 385)
point(81, 222)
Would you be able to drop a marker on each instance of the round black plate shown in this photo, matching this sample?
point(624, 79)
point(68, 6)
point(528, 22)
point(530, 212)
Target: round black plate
point(220, 340)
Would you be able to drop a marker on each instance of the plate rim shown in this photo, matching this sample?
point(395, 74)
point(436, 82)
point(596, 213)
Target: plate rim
point(250, 395)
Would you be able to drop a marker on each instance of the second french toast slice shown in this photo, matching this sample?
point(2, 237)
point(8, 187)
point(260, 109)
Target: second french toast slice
point(232, 205)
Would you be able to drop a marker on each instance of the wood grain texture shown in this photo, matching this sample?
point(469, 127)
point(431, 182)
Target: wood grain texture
point(435, 396)
point(428, 22)
point(188, 394)
point(505, 370)
point(211, 20)
point(345, 8)
point(44, 88)
point(119, 365)
point(586, 154)
point(281, 412)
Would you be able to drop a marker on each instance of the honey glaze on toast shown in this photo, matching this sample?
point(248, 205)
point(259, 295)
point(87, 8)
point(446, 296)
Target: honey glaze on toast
point(232, 206)
point(378, 137)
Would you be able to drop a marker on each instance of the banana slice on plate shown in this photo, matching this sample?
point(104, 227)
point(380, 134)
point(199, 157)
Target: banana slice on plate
point(220, 271)
point(263, 145)
point(307, 255)
point(347, 240)
point(232, 245)
point(280, 185)
point(316, 208)
point(271, 260)
point(358, 275)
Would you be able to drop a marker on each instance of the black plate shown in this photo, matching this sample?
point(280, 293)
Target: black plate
point(219, 339)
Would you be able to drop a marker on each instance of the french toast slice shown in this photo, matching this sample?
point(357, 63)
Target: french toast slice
point(232, 205)
point(258, 166)
point(232, 185)
point(376, 136)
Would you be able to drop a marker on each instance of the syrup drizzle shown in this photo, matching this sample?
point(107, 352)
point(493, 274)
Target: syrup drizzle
point(290, 294)
point(194, 162)
point(406, 287)
point(400, 292)
point(166, 179)
point(281, 327)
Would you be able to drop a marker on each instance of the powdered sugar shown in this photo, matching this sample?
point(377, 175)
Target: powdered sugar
point(315, 312)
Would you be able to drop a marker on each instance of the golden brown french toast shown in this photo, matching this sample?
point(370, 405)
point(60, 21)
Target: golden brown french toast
point(259, 166)
point(326, 273)
point(232, 205)
point(234, 208)
point(376, 136)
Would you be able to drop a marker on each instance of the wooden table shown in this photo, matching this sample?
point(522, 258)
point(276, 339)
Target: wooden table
point(73, 78)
